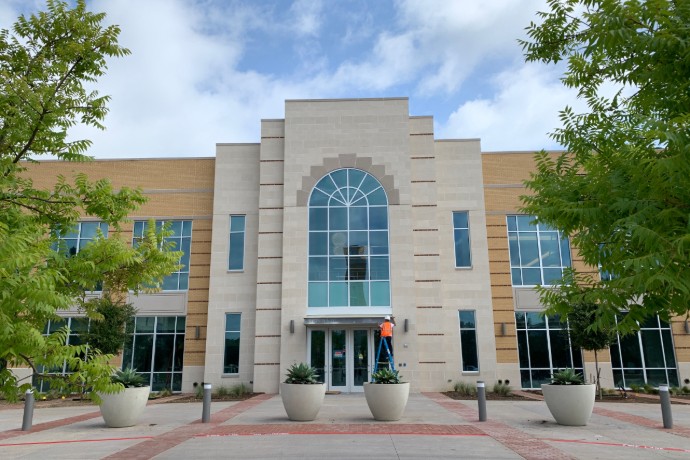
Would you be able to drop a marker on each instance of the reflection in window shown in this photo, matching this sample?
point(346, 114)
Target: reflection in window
point(645, 357)
point(236, 253)
point(181, 236)
point(468, 341)
point(72, 241)
point(461, 235)
point(155, 350)
point(538, 253)
point(231, 360)
point(348, 241)
point(543, 348)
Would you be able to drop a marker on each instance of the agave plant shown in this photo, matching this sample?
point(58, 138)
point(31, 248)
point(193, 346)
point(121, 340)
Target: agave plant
point(386, 376)
point(129, 378)
point(567, 377)
point(302, 373)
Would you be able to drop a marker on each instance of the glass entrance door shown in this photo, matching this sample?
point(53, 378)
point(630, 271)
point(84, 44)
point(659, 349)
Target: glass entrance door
point(343, 357)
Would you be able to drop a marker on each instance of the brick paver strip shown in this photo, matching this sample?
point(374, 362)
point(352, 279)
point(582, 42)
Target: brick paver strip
point(642, 421)
point(159, 444)
point(49, 425)
point(518, 441)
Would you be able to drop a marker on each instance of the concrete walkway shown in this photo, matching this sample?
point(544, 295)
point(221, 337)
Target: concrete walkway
point(433, 427)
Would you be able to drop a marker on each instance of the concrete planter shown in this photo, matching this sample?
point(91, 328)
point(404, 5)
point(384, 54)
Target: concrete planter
point(570, 405)
point(387, 401)
point(302, 402)
point(124, 409)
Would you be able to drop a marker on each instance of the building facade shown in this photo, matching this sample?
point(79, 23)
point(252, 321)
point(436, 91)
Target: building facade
point(345, 212)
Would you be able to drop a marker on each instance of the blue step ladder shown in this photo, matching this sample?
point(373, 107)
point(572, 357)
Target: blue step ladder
point(391, 363)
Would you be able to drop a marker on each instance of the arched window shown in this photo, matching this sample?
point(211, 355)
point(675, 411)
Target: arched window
point(348, 241)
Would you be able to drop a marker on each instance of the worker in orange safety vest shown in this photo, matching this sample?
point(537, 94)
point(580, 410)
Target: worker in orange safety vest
point(387, 331)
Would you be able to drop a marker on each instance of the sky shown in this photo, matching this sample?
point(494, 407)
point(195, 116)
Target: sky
point(203, 72)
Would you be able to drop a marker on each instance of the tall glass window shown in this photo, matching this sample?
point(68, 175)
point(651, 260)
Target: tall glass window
point(155, 349)
point(348, 241)
point(538, 253)
point(645, 357)
point(236, 253)
point(182, 237)
point(231, 360)
point(468, 341)
point(77, 326)
point(543, 348)
point(77, 237)
point(461, 234)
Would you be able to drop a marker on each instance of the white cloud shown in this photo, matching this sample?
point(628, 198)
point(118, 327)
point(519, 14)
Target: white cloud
point(518, 117)
point(306, 17)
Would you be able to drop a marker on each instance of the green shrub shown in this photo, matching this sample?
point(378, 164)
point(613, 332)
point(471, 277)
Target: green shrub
point(239, 390)
point(222, 391)
point(501, 389)
point(199, 392)
point(685, 390)
point(636, 388)
point(465, 389)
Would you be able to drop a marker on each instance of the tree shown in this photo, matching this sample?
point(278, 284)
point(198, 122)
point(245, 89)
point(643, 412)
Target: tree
point(622, 189)
point(44, 66)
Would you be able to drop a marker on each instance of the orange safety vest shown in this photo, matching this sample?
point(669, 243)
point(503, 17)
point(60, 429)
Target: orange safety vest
point(387, 329)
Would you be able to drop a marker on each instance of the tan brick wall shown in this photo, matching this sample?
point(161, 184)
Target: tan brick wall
point(176, 189)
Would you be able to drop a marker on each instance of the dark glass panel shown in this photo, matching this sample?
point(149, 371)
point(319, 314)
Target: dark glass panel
point(356, 176)
point(337, 269)
point(326, 184)
point(630, 351)
point(356, 268)
point(550, 249)
point(184, 282)
point(186, 248)
point(236, 224)
point(535, 320)
point(633, 377)
point(523, 350)
point(361, 357)
point(651, 347)
point(339, 358)
point(231, 361)
point(170, 282)
point(377, 197)
point(318, 353)
point(615, 356)
point(468, 342)
point(520, 320)
point(656, 377)
point(668, 348)
point(673, 377)
point(650, 322)
point(618, 379)
point(166, 324)
point(538, 349)
point(179, 352)
point(163, 359)
point(337, 243)
point(177, 381)
point(531, 276)
point(560, 349)
point(143, 351)
point(525, 379)
point(181, 322)
point(516, 276)
point(359, 243)
point(552, 275)
point(88, 230)
point(540, 376)
point(340, 177)
point(145, 323)
point(369, 184)
point(512, 223)
point(318, 198)
point(175, 227)
point(187, 227)
point(565, 252)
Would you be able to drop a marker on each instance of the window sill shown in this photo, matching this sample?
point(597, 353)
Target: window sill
point(230, 376)
point(471, 372)
point(464, 268)
point(235, 271)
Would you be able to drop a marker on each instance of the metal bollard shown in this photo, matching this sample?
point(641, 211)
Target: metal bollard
point(28, 410)
point(481, 400)
point(665, 398)
point(206, 412)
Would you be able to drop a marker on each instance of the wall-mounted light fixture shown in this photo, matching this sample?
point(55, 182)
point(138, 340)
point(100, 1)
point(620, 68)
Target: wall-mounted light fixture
point(197, 332)
point(292, 326)
point(406, 325)
point(503, 329)
point(687, 327)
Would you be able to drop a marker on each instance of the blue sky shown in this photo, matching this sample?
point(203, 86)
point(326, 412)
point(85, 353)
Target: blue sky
point(207, 71)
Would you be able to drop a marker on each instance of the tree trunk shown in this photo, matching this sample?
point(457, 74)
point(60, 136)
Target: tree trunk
point(596, 363)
